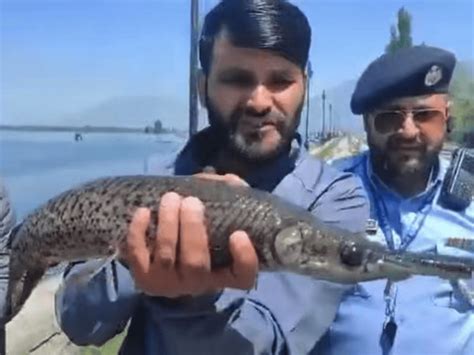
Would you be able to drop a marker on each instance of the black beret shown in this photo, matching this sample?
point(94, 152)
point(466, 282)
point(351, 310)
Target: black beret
point(413, 71)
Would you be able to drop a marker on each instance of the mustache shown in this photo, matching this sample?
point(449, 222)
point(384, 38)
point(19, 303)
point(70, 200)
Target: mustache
point(395, 143)
point(257, 119)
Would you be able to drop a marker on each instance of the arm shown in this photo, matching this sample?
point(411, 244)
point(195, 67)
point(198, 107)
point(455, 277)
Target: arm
point(93, 313)
point(343, 203)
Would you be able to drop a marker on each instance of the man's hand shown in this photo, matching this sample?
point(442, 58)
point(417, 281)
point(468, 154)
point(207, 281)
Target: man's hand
point(179, 263)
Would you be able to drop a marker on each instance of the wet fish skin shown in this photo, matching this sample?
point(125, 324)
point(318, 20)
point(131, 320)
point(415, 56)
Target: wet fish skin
point(92, 220)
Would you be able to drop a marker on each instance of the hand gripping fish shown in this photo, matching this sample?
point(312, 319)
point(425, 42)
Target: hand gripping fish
point(91, 221)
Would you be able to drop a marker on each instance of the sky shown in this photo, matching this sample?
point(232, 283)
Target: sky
point(64, 56)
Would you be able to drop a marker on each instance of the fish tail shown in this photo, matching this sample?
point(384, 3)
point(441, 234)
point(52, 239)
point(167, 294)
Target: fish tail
point(21, 283)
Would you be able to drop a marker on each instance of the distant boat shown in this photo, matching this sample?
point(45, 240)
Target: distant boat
point(78, 137)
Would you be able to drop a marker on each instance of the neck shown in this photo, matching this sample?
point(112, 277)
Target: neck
point(409, 185)
point(225, 162)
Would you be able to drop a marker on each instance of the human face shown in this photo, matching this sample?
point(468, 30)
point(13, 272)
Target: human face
point(255, 98)
point(407, 134)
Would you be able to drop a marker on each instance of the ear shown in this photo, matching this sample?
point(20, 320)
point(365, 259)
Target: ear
point(449, 118)
point(449, 124)
point(202, 83)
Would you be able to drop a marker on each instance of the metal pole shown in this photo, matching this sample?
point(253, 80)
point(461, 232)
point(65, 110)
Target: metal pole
point(193, 68)
point(324, 113)
point(308, 80)
point(331, 123)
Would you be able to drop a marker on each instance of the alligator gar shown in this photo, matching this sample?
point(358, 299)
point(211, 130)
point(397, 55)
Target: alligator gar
point(91, 221)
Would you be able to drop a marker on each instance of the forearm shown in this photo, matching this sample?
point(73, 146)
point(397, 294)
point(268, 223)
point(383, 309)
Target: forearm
point(208, 324)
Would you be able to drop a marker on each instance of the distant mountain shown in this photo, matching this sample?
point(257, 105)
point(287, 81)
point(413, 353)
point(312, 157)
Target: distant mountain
point(339, 97)
point(132, 111)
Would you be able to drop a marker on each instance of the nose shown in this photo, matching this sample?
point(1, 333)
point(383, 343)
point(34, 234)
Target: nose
point(260, 100)
point(409, 129)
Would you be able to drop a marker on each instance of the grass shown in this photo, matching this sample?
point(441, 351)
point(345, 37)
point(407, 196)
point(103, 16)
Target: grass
point(110, 348)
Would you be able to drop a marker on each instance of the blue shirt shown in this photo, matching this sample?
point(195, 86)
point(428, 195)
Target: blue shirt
point(432, 315)
point(284, 314)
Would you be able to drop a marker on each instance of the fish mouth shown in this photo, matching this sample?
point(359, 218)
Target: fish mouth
point(443, 266)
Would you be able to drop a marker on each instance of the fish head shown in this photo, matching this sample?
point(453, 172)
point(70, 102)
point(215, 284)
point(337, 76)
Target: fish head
point(336, 257)
point(341, 257)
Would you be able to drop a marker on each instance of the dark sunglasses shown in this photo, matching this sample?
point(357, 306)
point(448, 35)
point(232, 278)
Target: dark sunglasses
point(391, 121)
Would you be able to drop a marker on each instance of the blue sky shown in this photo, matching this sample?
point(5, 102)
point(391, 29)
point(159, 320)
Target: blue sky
point(63, 56)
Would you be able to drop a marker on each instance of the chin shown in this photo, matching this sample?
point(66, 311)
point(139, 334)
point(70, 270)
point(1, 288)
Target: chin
point(257, 150)
point(406, 165)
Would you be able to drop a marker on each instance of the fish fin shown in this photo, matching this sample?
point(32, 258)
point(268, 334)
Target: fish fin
point(21, 284)
point(32, 278)
point(466, 289)
point(89, 271)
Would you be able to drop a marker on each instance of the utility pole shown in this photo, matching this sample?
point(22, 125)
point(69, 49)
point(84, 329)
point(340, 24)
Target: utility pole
point(331, 122)
point(193, 68)
point(309, 74)
point(324, 114)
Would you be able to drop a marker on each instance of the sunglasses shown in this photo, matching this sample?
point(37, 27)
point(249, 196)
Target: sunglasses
point(392, 121)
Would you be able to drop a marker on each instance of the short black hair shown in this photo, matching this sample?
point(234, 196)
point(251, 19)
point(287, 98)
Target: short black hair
point(275, 25)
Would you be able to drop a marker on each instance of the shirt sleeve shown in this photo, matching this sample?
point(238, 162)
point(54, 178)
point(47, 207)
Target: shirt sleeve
point(91, 313)
point(343, 203)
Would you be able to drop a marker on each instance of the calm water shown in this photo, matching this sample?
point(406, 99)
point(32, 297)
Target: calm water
point(36, 166)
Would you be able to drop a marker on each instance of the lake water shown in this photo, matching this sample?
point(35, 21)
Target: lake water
point(36, 166)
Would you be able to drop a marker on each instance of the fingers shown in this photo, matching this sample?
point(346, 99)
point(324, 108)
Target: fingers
point(195, 263)
point(244, 269)
point(180, 262)
point(164, 254)
point(231, 179)
point(235, 180)
point(138, 256)
point(245, 265)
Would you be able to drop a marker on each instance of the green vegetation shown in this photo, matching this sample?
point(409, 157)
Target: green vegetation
point(400, 36)
point(462, 92)
point(110, 348)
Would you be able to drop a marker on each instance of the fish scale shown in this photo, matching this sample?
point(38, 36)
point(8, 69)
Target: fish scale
point(91, 221)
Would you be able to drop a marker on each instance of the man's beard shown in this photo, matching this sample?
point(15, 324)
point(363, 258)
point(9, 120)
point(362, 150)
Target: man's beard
point(391, 163)
point(249, 148)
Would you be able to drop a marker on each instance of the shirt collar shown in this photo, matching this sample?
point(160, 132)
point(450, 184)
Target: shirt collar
point(200, 148)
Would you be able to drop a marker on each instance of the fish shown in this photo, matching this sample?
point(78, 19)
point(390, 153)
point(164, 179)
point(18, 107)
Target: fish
point(91, 221)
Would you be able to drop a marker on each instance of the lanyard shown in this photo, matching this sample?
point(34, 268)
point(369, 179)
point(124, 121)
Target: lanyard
point(380, 213)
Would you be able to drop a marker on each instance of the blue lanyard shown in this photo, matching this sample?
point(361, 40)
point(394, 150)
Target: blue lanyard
point(379, 211)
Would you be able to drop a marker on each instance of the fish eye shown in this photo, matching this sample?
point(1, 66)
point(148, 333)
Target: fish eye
point(351, 254)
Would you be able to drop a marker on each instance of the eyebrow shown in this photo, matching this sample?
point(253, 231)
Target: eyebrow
point(241, 71)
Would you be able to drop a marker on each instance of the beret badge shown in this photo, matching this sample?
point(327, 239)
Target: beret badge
point(433, 76)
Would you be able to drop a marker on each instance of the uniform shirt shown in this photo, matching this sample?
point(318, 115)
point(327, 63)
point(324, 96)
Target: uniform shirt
point(433, 316)
point(284, 314)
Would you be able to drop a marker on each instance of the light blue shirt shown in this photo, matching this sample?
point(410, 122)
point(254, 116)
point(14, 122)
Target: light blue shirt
point(433, 317)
